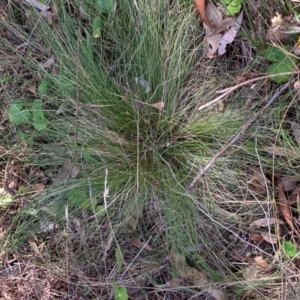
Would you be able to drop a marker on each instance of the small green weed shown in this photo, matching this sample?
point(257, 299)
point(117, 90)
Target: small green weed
point(20, 112)
point(120, 293)
point(289, 249)
point(232, 6)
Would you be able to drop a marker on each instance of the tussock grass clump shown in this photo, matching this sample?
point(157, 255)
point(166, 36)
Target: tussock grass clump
point(119, 166)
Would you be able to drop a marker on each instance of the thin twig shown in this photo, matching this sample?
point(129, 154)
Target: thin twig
point(238, 136)
point(227, 91)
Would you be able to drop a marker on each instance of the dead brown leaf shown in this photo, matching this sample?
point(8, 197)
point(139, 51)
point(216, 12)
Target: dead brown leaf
point(200, 6)
point(271, 239)
point(289, 182)
point(159, 105)
point(230, 34)
point(48, 63)
point(248, 104)
point(257, 181)
point(261, 263)
point(139, 244)
point(277, 31)
point(263, 222)
point(284, 206)
point(295, 195)
point(221, 105)
point(32, 89)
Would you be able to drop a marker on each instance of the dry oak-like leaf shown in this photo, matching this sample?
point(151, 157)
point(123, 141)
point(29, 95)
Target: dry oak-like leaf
point(159, 105)
point(229, 35)
point(289, 182)
point(261, 263)
point(263, 222)
point(139, 244)
point(277, 30)
point(284, 207)
point(200, 6)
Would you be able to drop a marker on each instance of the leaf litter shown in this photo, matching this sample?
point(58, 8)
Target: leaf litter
point(214, 30)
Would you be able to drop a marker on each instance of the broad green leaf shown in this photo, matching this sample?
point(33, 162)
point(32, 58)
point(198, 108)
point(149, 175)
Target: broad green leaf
point(105, 6)
point(276, 54)
point(232, 6)
point(79, 199)
point(289, 249)
point(16, 114)
point(120, 293)
point(119, 258)
point(39, 121)
point(97, 24)
point(43, 86)
point(286, 65)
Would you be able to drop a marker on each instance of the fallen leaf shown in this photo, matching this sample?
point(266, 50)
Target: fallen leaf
point(32, 89)
point(289, 182)
point(261, 263)
point(257, 182)
point(34, 248)
point(229, 35)
point(271, 239)
point(215, 17)
point(39, 187)
point(248, 104)
point(212, 38)
point(296, 131)
point(200, 6)
point(38, 5)
point(221, 105)
point(284, 206)
point(159, 105)
point(48, 63)
point(294, 197)
point(214, 42)
point(263, 222)
point(137, 243)
point(277, 30)
point(280, 151)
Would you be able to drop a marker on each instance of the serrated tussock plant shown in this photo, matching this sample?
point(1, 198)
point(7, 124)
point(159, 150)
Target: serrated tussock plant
point(101, 107)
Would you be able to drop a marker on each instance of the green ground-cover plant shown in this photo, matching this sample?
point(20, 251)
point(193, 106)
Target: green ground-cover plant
point(131, 154)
